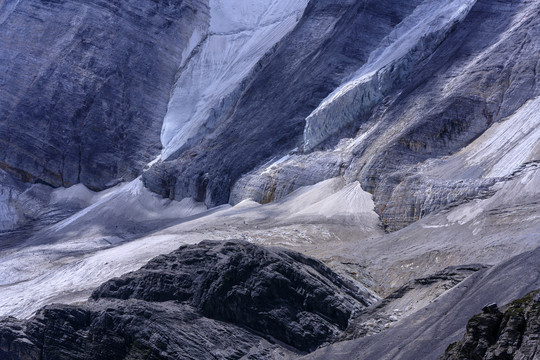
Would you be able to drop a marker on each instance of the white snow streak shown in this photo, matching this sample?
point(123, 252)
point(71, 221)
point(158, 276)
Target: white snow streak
point(241, 32)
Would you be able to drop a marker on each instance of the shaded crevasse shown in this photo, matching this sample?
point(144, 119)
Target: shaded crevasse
point(406, 46)
point(210, 80)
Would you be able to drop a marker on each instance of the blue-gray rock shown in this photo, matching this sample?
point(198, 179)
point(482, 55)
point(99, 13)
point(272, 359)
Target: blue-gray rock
point(332, 39)
point(84, 86)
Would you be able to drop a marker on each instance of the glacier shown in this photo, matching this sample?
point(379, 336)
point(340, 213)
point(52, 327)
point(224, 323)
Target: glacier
point(396, 142)
point(391, 63)
point(211, 77)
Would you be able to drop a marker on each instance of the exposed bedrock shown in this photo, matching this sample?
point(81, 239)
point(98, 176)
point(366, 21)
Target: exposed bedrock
point(409, 44)
point(512, 332)
point(460, 91)
point(278, 178)
point(84, 85)
point(420, 148)
point(212, 300)
point(331, 40)
point(406, 300)
point(426, 333)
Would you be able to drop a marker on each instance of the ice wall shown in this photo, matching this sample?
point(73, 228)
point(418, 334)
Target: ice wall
point(390, 64)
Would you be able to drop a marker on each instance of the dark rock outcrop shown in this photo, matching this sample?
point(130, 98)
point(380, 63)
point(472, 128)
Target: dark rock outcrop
point(212, 300)
point(84, 85)
point(514, 334)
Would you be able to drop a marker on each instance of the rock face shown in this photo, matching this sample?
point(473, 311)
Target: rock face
point(332, 39)
point(514, 334)
point(220, 64)
point(205, 301)
point(379, 92)
point(411, 104)
point(84, 86)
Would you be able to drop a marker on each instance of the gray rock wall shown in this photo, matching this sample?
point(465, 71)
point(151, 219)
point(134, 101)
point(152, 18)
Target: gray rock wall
point(331, 40)
point(398, 149)
point(84, 85)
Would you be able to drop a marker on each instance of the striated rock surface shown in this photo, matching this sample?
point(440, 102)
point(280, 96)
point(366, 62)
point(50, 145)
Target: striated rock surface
point(510, 333)
point(410, 140)
point(332, 39)
point(220, 64)
point(400, 53)
point(212, 300)
point(252, 100)
point(84, 85)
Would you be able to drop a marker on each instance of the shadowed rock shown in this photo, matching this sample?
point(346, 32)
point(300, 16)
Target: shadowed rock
point(212, 300)
point(514, 334)
point(84, 85)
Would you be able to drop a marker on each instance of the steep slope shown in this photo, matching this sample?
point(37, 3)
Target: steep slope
point(484, 231)
point(427, 333)
point(213, 76)
point(84, 85)
point(395, 141)
point(442, 78)
point(332, 39)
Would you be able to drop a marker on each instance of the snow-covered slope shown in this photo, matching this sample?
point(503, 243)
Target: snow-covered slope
point(214, 73)
point(120, 230)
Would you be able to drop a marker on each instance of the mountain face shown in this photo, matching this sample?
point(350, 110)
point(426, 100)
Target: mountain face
point(422, 84)
point(85, 85)
point(391, 147)
point(368, 90)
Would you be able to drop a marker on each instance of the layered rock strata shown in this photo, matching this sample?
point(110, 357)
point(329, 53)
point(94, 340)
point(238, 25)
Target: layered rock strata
point(413, 146)
point(212, 300)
